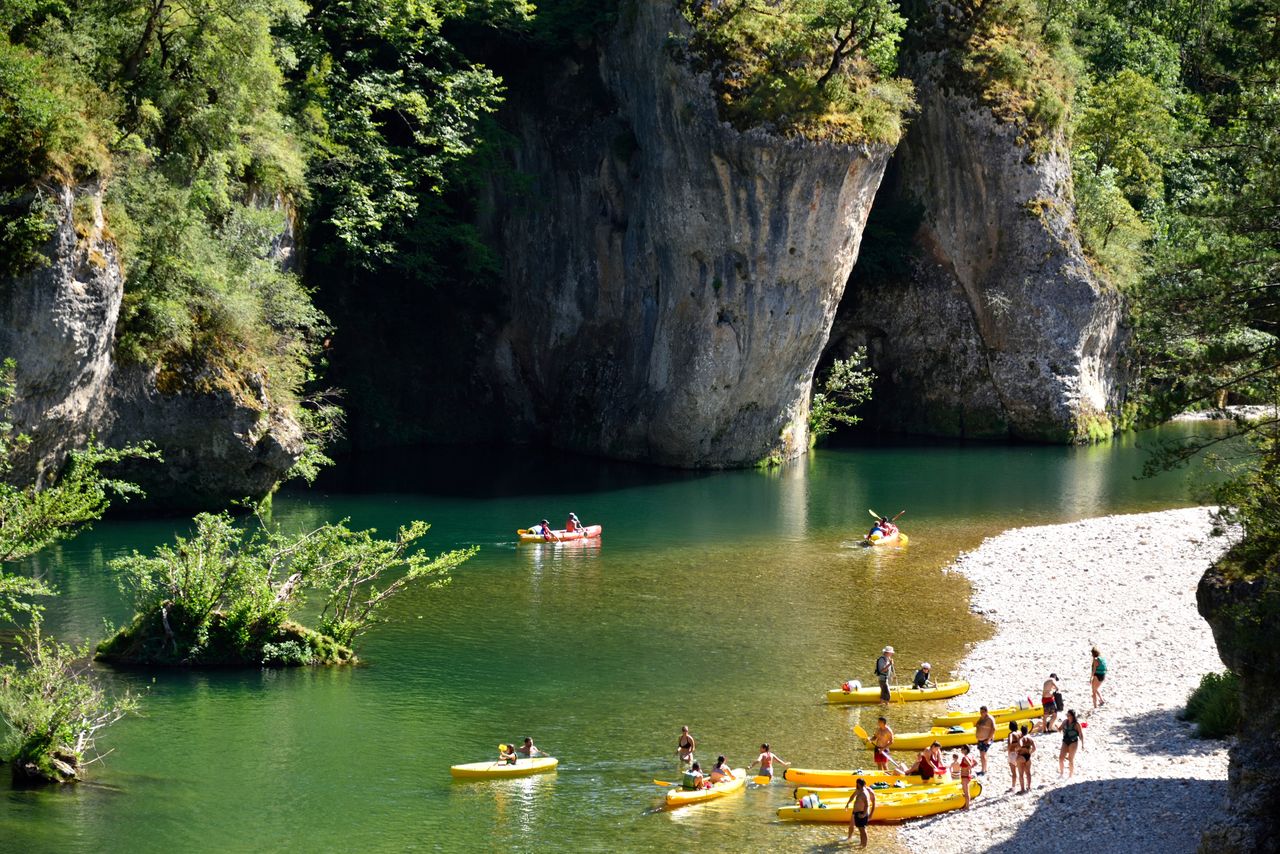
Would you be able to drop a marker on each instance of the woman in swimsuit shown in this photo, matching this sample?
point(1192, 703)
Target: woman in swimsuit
point(1098, 669)
point(685, 746)
point(1072, 739)
point(1026, 747)
point(721, 772)
point(1014, 739)
point(766, 759)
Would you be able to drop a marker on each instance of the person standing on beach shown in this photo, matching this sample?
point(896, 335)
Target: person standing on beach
point(1098, 671)
point(685, 746)
point(1012, 743)
point(966, 772)
point(880, 740)
point(985, 730)
point(863, 801)
point(1050, 706)
point(1026, 749)
point(1072, 738)
point(884, 672)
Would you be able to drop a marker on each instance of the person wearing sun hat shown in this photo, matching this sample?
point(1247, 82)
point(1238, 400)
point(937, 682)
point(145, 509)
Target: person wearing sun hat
point(884, 672)
point(923, 677)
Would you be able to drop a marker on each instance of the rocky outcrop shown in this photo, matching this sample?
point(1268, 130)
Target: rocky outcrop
point(1001, 328)
point(670, 281)
point(1245, 617)
point(58, 324)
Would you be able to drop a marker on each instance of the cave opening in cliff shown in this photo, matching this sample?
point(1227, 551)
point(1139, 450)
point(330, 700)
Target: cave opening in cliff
point(885, 256)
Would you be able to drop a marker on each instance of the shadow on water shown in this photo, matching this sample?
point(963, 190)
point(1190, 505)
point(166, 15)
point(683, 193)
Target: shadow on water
point(1125, 814)
point(1159, 732)
point(490, 472)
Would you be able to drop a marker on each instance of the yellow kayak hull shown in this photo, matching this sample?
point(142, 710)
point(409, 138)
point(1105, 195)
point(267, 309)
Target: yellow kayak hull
point(841, 793)
point(899, 693)
point(590, 532)
point(500, 770)
point(816, 777)
point(1001, 716)
point(890, 806)
point(942, 735)
point(684, 797)
point(896, 539)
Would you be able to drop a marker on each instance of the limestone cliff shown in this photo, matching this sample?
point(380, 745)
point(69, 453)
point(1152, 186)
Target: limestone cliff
point(670, 282)
point(58, 322)
point(1245, 617)
point(1000, 328)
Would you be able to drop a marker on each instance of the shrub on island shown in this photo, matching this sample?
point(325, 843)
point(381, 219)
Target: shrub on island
point(224, 596)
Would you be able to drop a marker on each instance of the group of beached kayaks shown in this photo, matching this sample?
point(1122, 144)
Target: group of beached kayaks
point(823, 795)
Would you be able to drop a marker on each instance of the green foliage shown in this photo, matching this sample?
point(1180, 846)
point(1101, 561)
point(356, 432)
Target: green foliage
point(1111, 231)
point(223, 596)
point(52, 708)
point(26, 224)
point(1215, 706)
point(37, 515)
point(1126, 126)
point(820, 69)
point(846, 386)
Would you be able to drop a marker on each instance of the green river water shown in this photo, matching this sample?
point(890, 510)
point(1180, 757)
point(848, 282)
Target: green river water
point(726, 601)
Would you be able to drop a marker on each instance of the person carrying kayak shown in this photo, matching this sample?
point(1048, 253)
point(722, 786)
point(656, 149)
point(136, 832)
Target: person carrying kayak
point(766, 759)
point(921, 679)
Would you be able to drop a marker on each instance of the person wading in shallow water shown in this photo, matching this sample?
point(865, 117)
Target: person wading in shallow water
point(881, 739)
point(766, 759)
point(1098, 669)
point(685, 746)
point(884, 672)
point(863, 801)
point(985, 730)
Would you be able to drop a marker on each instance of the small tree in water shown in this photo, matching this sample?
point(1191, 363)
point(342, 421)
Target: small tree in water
point(846, 386)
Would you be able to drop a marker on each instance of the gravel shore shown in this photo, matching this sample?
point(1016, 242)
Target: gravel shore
point(1144, 783)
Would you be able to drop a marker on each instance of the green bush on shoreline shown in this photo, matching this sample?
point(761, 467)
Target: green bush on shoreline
point(1214, 706)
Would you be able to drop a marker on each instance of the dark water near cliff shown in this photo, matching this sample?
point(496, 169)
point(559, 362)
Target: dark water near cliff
point(727, 601)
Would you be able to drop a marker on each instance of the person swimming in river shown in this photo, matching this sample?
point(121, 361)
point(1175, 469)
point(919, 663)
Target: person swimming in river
point(528, 749)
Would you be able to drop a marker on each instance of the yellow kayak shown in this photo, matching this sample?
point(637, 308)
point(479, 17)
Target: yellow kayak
point(890, 805)
point(943, 735)
point(833, 793)
point(500, 770)
point(1002, 716)
point(898, 693)
point(897, 538)
point(818, 777)
point(682, 797)
point(590, 532)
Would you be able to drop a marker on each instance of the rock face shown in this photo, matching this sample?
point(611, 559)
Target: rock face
point(1245, 617)
point(671, 282)
point(1001, 329)
point(58, 324)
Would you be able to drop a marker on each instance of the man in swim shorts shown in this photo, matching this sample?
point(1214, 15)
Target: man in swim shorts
point(985, 730)
point(863, 801)
point(1050, 706)
point(880, 740)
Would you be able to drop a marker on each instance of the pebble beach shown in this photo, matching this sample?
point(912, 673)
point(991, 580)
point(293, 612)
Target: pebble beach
point(1126, 584)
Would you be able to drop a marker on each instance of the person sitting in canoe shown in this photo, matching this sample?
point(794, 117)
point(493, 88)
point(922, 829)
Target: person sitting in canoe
point(721, 772)
point(546, 532)
point(528, 750)
point(573, 524)
point(881, 527)
point(692, 779)
point(507, 754)
point(922, 679)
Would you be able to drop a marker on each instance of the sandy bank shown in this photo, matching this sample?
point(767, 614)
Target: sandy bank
point(1127, 584)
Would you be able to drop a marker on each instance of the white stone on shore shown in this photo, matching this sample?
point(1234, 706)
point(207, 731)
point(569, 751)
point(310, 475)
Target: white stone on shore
point(1144, 783)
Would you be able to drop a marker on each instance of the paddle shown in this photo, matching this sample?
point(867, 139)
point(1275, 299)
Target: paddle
point(862, 734)
point(664, 783)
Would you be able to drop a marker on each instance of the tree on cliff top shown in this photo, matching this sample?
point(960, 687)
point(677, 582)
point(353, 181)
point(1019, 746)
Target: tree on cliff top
point(821, 69)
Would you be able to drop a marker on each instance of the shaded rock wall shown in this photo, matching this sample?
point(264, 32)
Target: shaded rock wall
point(58, 323)
point(1245, 617)
point(670, 282)
point(1001, 328)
